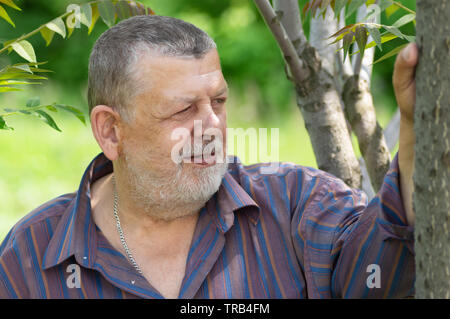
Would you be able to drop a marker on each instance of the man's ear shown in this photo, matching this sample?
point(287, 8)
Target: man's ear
point(105, 124)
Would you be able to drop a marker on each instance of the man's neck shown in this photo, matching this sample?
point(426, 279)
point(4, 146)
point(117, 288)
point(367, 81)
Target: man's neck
point(139, 227)
point(160, 248)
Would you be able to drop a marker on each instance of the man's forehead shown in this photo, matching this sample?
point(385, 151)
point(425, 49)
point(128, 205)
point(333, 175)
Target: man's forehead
point(172, 75)
point(189, 86)
point(157, 63)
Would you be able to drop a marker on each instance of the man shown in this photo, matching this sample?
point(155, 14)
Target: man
point(144, 225)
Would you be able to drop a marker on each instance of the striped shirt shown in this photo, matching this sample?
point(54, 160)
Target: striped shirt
point(296, 233)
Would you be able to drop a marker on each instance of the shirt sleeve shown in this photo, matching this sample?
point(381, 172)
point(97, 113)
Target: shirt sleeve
point(12, 281)
point(351, 248)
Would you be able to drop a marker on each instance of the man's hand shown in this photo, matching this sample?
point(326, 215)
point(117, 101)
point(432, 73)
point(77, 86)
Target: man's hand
point(404, 81)
point(405, 93)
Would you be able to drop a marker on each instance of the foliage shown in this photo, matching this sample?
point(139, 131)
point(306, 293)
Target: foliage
point(359, 31)
point(14, 76)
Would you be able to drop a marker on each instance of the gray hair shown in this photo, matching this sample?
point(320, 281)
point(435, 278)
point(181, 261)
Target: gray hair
point(112, 64)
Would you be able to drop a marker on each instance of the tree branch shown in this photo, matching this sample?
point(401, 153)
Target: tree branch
point(360, 112)
point(292, 23)
point(392, 130)
point(297, 67)
point(317, 95)
point(391, 133)
point(321, 28)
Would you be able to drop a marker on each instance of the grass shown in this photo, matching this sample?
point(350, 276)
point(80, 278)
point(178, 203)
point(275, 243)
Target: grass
point(38, 163)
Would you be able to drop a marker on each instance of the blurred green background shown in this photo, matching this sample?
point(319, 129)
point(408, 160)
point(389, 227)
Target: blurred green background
point(38, 163)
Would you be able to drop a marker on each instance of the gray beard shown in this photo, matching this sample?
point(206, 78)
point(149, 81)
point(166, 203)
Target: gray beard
point(166, 197)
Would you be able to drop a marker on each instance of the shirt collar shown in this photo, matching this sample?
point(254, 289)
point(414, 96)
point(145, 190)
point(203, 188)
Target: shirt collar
point(230, 199)
point(76, 235)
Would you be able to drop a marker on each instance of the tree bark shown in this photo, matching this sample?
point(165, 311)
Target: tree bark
point(317, 95)
point(360, 112)
point(431, 201)
point(321, 28)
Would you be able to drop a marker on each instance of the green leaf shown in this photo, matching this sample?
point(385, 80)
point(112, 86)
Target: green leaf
point(5, 16)
point(35, 64)
point(376, 36)
point(324, 7)
point(391, 53)
point(25, 50)
point(86, 14)
point(11, 4)
point(70, 21)
point(107, 12)
point(95, 16)
point(10, 110)
point(3, 125)
point(395, 31)
point(373, 14)
point(47, 34)
point(338, 5)
point(21, 67)
point(384, 38)
point(40, 70)
point(404, 20)
point(383, 4)
point(390, 10)
point(8, 89)
point(13, 82)
point(47, 119)
point(20, 75)
point(72, 110)
point(347, 41)
point(123, 9)
point(344, 30)
point(51, 108)
point(58, 26)
point(353, 6)
point(7, 44)
point(34, 101)
point(361, 39)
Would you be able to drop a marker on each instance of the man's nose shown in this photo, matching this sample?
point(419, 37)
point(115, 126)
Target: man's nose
point(208, 117)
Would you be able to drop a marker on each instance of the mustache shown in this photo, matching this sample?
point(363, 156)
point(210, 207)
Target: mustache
point(197, 150)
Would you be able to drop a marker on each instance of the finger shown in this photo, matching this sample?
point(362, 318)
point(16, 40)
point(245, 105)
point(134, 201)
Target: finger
point(405, 66)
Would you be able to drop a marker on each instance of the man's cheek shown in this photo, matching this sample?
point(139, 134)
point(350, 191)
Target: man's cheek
point(180, 145)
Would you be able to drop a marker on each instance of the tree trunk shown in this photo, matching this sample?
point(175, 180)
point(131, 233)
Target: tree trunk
point(432, 151)
point(317, 95)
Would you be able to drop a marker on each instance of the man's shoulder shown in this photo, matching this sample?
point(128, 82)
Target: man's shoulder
point(289, 183)
point(50, 210)
point(282, 169)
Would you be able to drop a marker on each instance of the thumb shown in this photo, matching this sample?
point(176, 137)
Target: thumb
point(405, 66)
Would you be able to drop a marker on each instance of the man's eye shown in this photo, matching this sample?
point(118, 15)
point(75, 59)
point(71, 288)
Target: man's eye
point(183, 111)
point(219, 101)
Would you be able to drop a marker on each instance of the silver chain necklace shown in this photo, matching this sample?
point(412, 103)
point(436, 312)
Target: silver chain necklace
point(120, 231)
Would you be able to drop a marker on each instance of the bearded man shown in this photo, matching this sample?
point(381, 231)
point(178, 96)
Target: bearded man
point(147, 224)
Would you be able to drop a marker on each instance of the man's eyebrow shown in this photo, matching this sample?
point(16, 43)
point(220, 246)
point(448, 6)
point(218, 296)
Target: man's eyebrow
point(191, 99)
point(222, 91)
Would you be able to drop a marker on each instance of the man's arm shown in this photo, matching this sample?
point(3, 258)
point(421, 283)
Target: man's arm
point(364, 251)
point(405, 92)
